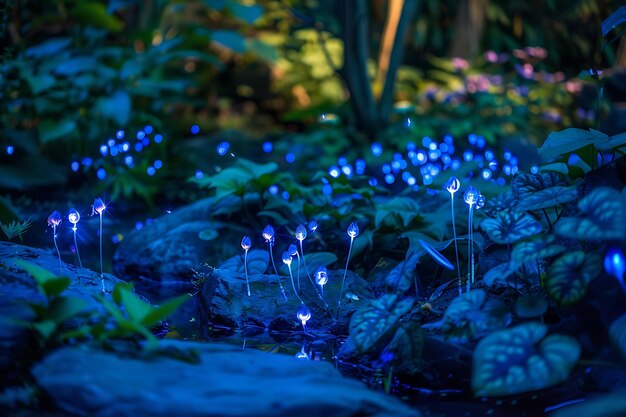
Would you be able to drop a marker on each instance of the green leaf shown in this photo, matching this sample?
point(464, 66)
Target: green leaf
point(522, 359)
point(569, 276)
point(45, 328)
point(164, 310)
point(235, 178)
point(407, 346)
point(313, 261)
point(377, 320)
point(499, 273)
point(258, 262)
point(208, 234)
point(136, 308)
point(548, 197)
point(401, 209)
point(538, 247)
point(400, 278)
point(116, 107)
point(510, 226)
point(247, 13)
point(50, 129)
point(230, 39)
point(50, 284)
point(470, 316)
point(65, 308)
point(525, 184)
point(95, 14)
point(605, 217)
point(77, 65)
point(617, 332)
point(569, 140)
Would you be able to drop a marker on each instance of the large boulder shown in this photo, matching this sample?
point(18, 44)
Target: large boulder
point(223, 300)
point(17, 287)
point(225, 380)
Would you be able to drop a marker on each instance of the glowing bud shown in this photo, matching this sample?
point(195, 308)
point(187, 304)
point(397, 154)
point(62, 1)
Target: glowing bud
point(55, 219)
point(301, 233)
point(353, 230)
point(293, 250)
point(287, 258)
point(453, 185)
point(98, 205)
point(480, 203)
point(471, 195)
point(246, 243)
point(615, 264)
point(73, 216)
point(303, 314)
point(268, 233)
point(312, 226)
point(321, 276)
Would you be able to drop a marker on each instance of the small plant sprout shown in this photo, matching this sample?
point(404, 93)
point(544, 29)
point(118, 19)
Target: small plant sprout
point(99, 207)
point(303, 314)
point(293, 251)
point(55, 220)
point(353, 232)
point(471, 197)
point(453, 186)
point(246, 244)
point(287, 259)
point(321, 277)
point(74, 216)
point(615, 264)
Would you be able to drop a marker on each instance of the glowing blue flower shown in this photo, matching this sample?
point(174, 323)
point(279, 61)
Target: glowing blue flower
point(615, 264)
point(292, 249)
point(353, 230)
point(268, 233)
point(453, 185)
point(321, 276)
point(471, 195)
point(287, 258)
point(303, 314)
point(312, 226)
point(246, 243)
point(301, 233)
point(55, 219)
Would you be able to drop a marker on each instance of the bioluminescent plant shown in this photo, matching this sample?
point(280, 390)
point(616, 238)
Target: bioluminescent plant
point(99, 207)
point(471, 197)
point(353, 232)
point(74, 216)
point(268, 235)
point(615, 264)
point(453, 186)
point(55, 220)
point(303, 314)
point(302, 354)
point(321, 278)
point(293, 251)
point(287, 259)
point(301, 235)
point(312, 226)
point(246, 244)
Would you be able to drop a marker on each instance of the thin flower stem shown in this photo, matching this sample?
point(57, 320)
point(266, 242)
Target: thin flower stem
point(343, 280)
point(293, 285)
point(298, 271)
point(54, 231)
point(304, 262)
point(456, 246)
point(311, 279)
point(245, 267)
point(101, 268)
point(472, 241)
point(282, 289)
point(80, 263)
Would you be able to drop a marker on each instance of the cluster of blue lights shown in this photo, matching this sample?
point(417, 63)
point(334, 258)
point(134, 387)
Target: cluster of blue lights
point(420, 165)
point(119, 147)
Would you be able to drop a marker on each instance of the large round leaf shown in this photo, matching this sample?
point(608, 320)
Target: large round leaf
point(407, 346)
point(549, 197)
point(605, 217)
point(510, 226)
point(377, 319)
point(258, 261)
point(470, 316)
point(499, 273)
point(569, 276)
point(538, 247)
point(617, 331)
point(525, 184)
point(522, 359)
point(400, 278)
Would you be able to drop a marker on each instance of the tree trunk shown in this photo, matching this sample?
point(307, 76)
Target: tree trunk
point(470, 23)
